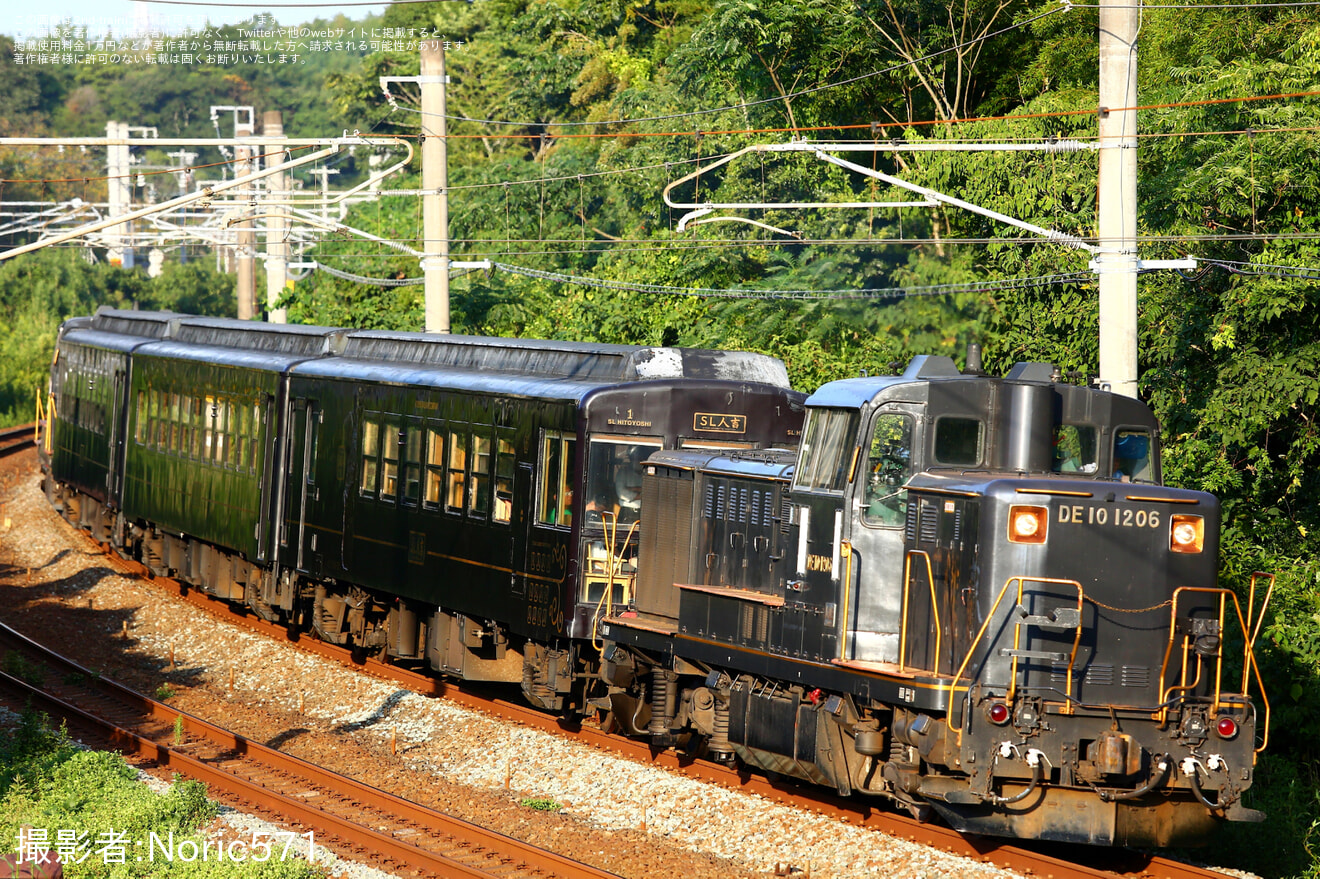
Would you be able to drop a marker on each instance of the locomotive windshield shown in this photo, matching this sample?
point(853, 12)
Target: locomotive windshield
point(1075, 449)
point(1132, 456)
point(614, 477)
point(827, 439)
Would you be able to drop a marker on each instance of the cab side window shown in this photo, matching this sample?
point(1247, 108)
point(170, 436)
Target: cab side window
point(888, 466)
point(958, 441)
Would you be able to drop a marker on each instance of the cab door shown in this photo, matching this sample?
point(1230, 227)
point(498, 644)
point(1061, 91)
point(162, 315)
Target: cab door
point(874, 529)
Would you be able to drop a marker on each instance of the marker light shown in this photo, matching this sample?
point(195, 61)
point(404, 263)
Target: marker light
point(1186, 533)
point(1226, 727)
point(1027, 524)
point(997, 712)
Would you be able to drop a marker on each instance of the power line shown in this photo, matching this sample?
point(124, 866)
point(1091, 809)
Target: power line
point(878, 293)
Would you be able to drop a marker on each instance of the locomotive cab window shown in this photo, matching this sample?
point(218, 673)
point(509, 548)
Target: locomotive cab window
point(828, 440)
point(1075, 449)
point(1132, 456)
point(554, 501)
point(958, 441)
point(614, 477)
point(888, 466)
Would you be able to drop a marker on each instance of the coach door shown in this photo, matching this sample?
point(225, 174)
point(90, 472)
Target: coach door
point(118, 419)
point(302, 491)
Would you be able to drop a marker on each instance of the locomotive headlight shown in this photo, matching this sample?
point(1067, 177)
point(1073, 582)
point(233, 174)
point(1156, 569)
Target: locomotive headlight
point(1186, 533)
point(1027, 524)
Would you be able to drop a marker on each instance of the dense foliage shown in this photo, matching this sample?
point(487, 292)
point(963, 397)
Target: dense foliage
point(1230, 358)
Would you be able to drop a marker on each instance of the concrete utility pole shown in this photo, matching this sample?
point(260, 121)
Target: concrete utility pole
point(120, 188)
point(435, 180)
point(247, 238)
point(277, 224)
point(1117, 197)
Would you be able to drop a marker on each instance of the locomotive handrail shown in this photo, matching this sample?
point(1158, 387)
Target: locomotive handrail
point(934, 610)
point(971, 649)
point(1251, 609)
point(1249, 655)
point(1077, 639)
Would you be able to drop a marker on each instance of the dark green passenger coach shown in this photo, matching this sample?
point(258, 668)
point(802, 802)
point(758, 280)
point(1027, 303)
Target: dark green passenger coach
point(468, 503)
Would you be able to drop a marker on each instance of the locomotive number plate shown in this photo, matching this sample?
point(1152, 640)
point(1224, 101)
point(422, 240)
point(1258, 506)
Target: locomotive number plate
point(1115, 517)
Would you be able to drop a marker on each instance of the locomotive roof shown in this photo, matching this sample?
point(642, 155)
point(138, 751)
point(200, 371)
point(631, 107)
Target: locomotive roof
point(535, 358)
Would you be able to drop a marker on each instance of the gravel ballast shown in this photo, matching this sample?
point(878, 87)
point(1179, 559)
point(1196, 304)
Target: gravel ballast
point(631, 819)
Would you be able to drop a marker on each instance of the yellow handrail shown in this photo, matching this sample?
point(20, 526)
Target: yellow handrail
point(1012, 684)
point(1249, 657)
point(934, 610)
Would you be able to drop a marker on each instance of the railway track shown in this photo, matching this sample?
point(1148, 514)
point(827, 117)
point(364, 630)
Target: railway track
point(1042, 861)
point(16, 439)
point(352, 818)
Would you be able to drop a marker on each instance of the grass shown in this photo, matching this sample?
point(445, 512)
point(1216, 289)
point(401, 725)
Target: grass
point(65, 792)
point(21, 667)
point(541, 804)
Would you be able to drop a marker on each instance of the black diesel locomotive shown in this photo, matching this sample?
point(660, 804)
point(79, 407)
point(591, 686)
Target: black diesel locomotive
point(968, 594)
point(465, 503)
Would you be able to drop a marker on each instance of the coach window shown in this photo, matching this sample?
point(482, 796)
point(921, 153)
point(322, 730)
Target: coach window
point(255, 443)
point(412, 465)
point(958, 441)
point(826, 445)
point(554, 502)
point(614, 477)
point(162, 421)
point(240, 416)
point(479, 498)
point(1132, 456)
point(457, 472)
point(140, 429)
point(435, 466)
point(504, 467)
point(888, 466)
point(370, 449)
point(389, 467)
point(222, 433)
point(198, 412)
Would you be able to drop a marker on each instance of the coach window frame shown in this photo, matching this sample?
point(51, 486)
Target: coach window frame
point(369, 456)
point(559, 483)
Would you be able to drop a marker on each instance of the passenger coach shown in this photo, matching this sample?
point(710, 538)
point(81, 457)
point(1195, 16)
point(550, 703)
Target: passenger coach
point(468, 503)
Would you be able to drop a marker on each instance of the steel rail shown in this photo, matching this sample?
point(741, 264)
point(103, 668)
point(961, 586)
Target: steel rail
point(15, 439)
point(525, 856)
